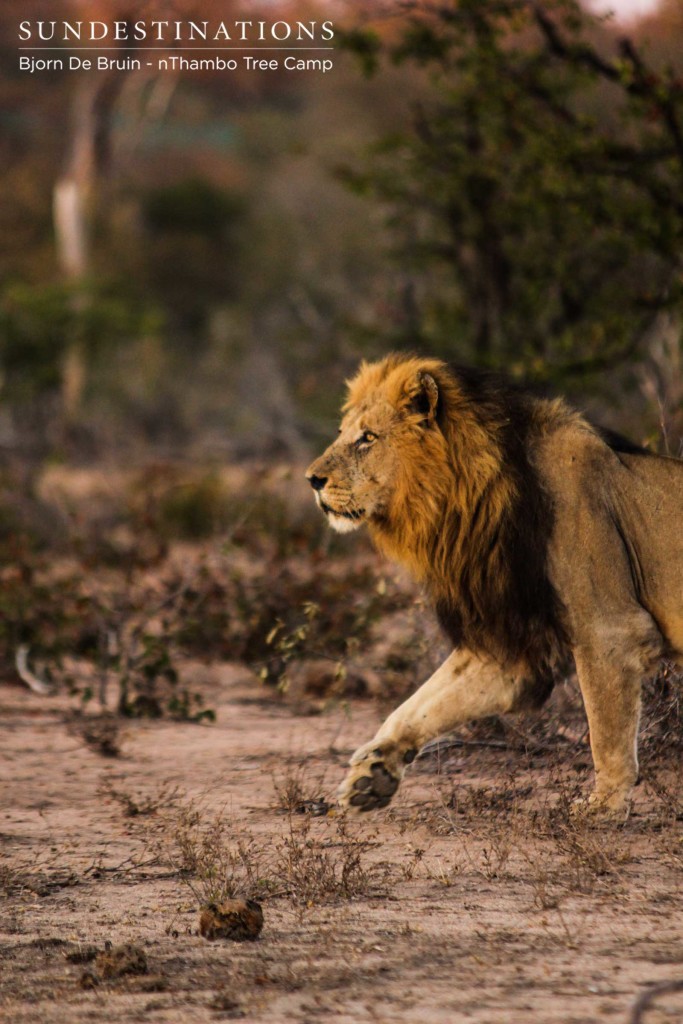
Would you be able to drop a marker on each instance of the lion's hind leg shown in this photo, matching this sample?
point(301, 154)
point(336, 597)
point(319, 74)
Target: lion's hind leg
point(611, 666)
point(465, 687)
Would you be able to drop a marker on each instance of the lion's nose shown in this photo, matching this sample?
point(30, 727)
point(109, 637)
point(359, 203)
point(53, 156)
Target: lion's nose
point(317, 482)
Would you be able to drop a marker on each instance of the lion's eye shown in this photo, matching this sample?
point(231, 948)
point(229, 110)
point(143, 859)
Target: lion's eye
point(367, 437)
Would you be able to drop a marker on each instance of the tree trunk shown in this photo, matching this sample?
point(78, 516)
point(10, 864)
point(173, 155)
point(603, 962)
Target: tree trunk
point(72, 216)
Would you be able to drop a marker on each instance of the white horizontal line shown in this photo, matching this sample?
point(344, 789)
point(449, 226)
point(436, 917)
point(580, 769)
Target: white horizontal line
point(130, 51)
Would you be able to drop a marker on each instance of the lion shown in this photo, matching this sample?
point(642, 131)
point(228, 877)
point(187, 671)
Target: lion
point(538, 537)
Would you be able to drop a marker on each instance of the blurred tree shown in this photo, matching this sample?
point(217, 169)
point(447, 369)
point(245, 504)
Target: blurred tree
point(537, 199)
point(94, 102)
point(91, 143)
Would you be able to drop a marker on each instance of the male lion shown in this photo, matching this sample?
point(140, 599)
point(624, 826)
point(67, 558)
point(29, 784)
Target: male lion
point(537, 536)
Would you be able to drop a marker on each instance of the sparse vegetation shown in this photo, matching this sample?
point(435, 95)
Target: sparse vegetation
point(119, 635)
point(136, 804)
point(486, 817)
point(219, 860)
point(215, 859)
point(99, 732)
point(321, 869)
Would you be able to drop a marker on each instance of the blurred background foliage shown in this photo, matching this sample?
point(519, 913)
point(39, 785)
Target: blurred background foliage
point(190, 263)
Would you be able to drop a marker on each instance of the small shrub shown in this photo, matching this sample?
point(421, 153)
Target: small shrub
point(136, 805)
point(315, 870)
point(51, 618)
point(216, 861)
point(99, 732)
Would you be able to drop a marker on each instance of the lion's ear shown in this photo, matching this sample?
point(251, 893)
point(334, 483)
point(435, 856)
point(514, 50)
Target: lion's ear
point(423, 397)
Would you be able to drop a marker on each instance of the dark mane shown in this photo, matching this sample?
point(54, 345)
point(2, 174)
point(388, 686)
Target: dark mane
point(504, 603)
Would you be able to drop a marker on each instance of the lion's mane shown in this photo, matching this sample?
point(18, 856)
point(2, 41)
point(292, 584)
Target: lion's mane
point(470, 516)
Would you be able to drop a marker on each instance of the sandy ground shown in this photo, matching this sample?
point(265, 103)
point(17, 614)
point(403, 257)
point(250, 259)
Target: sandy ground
point(476, 898)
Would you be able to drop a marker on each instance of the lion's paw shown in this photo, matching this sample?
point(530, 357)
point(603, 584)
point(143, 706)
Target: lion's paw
point(376, 771)
point(614, 807)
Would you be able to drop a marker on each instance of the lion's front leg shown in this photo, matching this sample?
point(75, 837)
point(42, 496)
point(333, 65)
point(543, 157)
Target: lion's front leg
point(463, 688)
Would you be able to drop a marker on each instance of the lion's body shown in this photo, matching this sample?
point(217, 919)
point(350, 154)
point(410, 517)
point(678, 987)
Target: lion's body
point(618, 533)
point(537, 536)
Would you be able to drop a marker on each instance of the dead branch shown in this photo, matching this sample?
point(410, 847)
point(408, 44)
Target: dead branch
point(26, 675)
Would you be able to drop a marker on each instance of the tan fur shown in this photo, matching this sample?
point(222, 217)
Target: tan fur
point(534, 537)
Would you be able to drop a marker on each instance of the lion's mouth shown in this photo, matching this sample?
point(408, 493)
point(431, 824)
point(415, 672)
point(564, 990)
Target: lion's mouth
point(341, 520)
point(355, 514)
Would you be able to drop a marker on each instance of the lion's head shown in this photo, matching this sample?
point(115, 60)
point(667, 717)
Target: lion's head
point(387, 429)
point(394, 464)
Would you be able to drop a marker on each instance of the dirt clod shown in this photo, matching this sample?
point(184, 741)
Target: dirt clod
point(240, 920)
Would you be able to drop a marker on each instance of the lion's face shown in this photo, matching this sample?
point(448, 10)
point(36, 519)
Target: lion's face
point(353, 479)
point(381, 439)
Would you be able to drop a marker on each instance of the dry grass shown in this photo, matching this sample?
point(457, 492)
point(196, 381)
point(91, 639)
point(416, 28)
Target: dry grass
point(9, 880)
point(314, 869)
point(138, 804)
point(101, 733)
point(39, 880)
point(519, 831)
point(218, 860)
point(662, 730)
point(213, 858)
